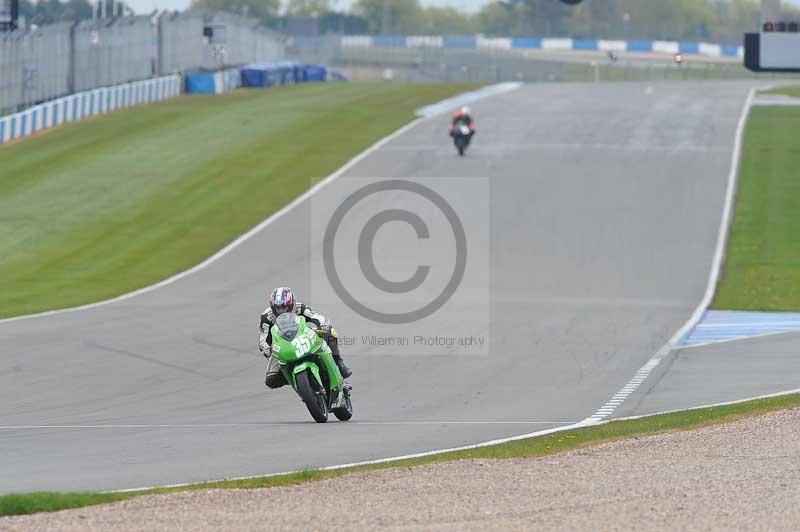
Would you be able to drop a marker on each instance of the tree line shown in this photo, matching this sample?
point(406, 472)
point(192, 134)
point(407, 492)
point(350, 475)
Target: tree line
point(50, 11)
point(721, 21)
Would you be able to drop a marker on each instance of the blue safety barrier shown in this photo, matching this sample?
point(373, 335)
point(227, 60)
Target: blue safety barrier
point(459, 41)
point(639, 46)
point(584, 44)
point(524, 42)
point(730, 51)
point(200, 83)
point(394, 41)
point(689, 47)
point(268, 74)
point(313, 73)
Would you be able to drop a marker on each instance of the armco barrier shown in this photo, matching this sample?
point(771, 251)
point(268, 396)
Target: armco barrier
point(88, 103)
point(480, 42)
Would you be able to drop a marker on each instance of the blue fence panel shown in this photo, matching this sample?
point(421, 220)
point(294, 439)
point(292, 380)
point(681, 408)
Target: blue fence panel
point(254, 77)
point(459, 41)
point(395, 41)
point(268, 74)
point(730, 50)
point(200, 83)
point(313, 73)
point(689, 47)
point(584, 44)
point(522, 42)
point(640, 46)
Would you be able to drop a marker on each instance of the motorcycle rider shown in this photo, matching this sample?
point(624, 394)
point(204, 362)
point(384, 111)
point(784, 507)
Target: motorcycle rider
point(282, 300)
point(463, 116)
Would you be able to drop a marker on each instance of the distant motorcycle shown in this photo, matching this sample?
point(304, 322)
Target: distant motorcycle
point(462, 134)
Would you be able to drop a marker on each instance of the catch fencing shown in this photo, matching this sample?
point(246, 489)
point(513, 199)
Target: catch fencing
point(420, 59)
point(40, 64)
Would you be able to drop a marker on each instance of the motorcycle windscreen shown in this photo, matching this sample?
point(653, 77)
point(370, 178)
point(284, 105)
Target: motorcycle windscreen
point(288, 323)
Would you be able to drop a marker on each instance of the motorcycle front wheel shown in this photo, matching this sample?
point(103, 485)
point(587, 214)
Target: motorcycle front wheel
point(315, 401)
point(344, 412)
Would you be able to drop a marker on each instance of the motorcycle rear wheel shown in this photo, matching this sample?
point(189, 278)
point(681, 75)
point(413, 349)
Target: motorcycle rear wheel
point(315, 401)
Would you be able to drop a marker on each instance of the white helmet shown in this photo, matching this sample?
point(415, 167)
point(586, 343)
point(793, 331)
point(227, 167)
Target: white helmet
point(465, 110)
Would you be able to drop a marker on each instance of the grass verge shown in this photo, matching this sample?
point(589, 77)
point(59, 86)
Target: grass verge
point(107, 205)
point(762, 265)
point(786, 91)
point(531, 447)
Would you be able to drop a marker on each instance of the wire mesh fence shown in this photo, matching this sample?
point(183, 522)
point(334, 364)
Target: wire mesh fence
point(39, 64)
point(117, 51)
point(422, 64)
point(33, 65)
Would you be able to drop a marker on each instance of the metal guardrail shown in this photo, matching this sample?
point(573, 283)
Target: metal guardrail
point(88, 103)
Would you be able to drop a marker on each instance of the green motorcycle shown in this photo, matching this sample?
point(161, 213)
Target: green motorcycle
point(307, 363)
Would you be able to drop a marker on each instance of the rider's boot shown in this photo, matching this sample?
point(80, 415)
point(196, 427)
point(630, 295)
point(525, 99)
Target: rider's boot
point(333, 343)
point(343, 369)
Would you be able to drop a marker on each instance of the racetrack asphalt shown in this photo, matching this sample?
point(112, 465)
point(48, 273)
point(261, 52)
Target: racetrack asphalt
point(604, 205)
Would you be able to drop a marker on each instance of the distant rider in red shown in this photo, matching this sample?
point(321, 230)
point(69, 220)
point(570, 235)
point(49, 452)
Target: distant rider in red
point(463, 116)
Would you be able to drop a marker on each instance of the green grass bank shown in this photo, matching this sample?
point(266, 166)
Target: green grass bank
point(762, 265)
point(104, 206)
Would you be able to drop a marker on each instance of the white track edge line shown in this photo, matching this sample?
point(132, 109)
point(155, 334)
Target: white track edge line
point(382, 460)
point(581, 424)
point(716, 265)
point(711, 405)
